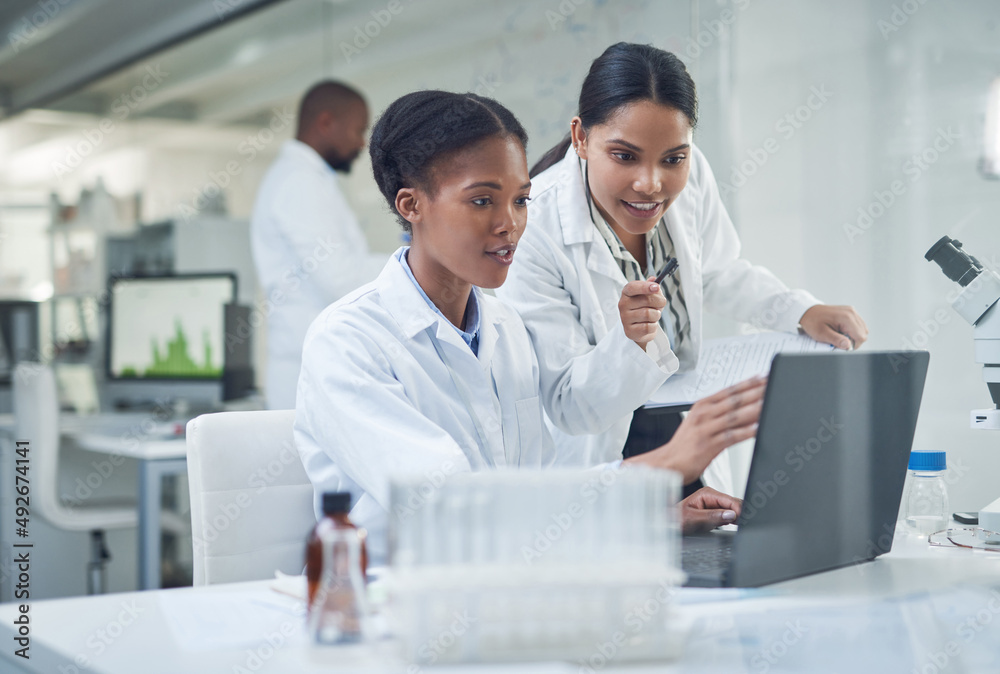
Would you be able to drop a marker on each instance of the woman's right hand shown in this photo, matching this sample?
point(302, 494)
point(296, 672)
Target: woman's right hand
point(713, 424)
point(640, 307)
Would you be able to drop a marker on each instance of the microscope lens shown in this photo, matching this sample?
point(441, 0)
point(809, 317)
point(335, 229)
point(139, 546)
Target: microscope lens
point(956, 264)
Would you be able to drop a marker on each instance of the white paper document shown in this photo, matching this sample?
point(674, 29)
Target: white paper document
point(727, 361)
point(951, 630)
point(231, 620)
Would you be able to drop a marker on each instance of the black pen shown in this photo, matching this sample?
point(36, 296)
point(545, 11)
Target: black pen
point(669, 268)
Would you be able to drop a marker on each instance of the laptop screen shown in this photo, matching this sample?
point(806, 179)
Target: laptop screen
point(829, 463)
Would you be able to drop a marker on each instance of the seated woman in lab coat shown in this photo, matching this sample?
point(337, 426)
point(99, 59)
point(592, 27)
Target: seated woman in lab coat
point(421, 372)
point(611, 204)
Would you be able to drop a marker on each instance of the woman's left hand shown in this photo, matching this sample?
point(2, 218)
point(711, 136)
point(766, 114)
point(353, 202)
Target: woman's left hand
point(714, 423)
point(707, 509)
point(838, 325)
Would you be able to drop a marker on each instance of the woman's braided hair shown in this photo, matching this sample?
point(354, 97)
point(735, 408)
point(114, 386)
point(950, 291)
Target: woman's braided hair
point(417, 130)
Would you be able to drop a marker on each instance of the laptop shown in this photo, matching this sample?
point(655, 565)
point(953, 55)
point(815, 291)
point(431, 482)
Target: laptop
point(827, 472)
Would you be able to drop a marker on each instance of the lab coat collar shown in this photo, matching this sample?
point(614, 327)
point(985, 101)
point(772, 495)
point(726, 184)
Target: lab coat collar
point(403, 302)
point(488, 336)
point(472, 310)
point(575, 221)
point(572, 198)
point(299, 152)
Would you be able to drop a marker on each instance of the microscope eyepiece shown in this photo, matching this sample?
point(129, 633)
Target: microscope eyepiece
point(956, 264)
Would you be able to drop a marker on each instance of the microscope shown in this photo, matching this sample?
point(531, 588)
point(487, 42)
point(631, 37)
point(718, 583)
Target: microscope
point(977, 303)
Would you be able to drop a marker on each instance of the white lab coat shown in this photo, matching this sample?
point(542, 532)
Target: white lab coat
point(309, 251)
point(566, 284)
point(375, 398)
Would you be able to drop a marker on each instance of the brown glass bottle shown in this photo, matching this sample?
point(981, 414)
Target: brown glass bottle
point(336, 506)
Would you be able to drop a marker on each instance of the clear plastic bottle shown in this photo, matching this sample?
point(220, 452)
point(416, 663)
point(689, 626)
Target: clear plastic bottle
point(927, 499)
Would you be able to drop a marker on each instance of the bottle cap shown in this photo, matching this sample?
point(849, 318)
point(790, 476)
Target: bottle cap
point(336, 502)
point(928, 461)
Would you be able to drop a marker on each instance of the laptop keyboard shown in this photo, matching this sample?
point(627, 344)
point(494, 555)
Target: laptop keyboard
point(706, 560)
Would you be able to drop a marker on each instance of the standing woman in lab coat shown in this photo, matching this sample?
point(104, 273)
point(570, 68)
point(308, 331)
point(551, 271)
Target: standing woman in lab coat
point(624, 192)
point(420, 372)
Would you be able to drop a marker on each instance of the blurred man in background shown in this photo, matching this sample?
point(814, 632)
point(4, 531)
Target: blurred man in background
point(307, 245)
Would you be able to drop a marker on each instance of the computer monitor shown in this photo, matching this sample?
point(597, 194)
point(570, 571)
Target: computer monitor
point(168, 327)
point(18, 335)
point(19, 341)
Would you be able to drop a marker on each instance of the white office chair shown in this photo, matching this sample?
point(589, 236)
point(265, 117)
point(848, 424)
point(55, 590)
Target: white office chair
point(251, 501)
point(36, 414)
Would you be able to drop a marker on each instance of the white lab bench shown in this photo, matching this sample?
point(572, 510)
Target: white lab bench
point(891, 615)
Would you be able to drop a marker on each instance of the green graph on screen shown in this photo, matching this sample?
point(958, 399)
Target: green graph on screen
point(175, 361)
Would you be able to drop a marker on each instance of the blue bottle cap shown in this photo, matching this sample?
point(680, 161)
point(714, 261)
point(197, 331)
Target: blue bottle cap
point(926, 461)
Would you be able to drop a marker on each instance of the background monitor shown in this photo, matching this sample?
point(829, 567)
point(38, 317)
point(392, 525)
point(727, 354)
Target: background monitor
point(168, 327)
point(19, 341)
point(18, 335)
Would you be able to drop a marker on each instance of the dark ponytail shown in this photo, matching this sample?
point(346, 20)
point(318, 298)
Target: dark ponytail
point(419, 129)
point(553, 156)
point(623, 74)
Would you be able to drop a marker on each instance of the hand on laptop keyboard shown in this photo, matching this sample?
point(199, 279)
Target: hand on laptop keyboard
point(714, 423)
point(707, 509)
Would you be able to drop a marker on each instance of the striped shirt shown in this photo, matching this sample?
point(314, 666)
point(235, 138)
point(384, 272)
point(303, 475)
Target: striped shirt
point(659, 248)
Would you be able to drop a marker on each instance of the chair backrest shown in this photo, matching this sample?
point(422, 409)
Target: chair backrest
point(251, 500)
point(36, 420)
